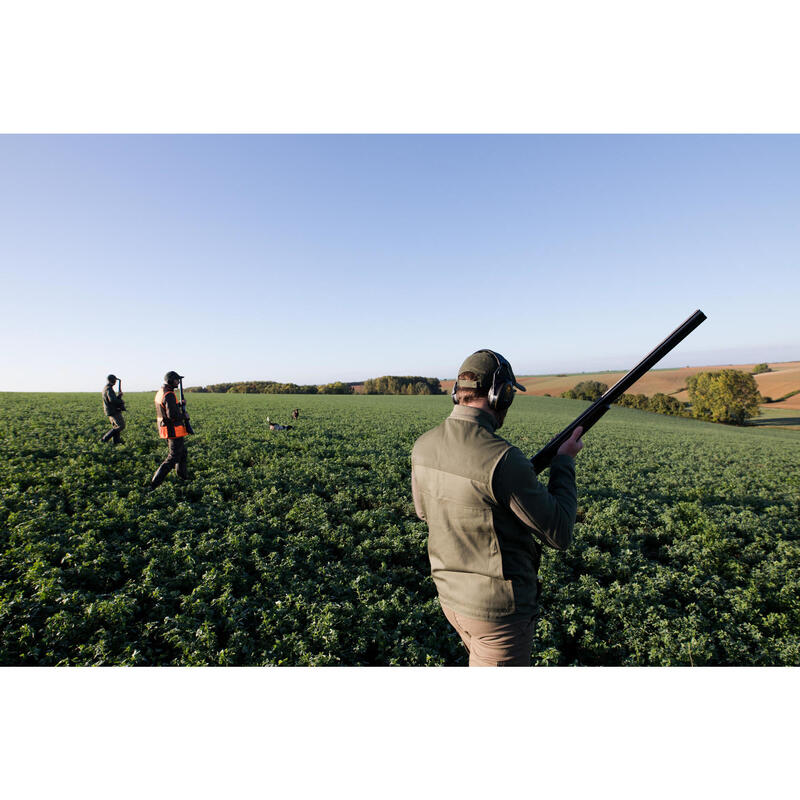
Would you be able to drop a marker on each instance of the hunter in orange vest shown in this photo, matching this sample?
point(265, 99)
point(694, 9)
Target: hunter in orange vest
point(172, 426)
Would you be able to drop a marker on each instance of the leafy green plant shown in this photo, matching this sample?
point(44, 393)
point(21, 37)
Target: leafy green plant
point(303, 548)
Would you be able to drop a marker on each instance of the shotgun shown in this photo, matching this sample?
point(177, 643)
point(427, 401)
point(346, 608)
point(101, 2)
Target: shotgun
point(119, 395)
point(187, 424)
point(543, 458)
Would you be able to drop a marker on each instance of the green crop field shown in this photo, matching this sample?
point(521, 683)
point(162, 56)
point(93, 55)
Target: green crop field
point(301, 547)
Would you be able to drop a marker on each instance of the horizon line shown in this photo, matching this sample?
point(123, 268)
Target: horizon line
point(360, 382)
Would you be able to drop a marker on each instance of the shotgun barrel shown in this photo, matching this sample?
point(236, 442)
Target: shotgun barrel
point(188, 424)
point(543, 458)
point(119, 394)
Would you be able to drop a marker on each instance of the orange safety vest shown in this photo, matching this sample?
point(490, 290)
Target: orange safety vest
point(166, 430)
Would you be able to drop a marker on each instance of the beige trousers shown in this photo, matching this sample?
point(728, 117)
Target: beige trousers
point(495, 643)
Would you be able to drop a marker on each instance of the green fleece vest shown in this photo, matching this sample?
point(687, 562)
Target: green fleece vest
point(453, 466)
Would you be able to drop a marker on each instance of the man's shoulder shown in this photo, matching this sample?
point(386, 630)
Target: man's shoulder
point(497, 444)
point(455, 434)
point(515, 460)
point(428, 437)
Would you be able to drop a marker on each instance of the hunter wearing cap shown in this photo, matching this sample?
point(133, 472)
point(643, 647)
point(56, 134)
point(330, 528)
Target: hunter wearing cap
point(488, 515)
point(113, 406)
point(173, 425)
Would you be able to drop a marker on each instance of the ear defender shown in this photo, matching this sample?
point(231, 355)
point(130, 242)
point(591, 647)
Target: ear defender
point(501, 399)
point(501, 395)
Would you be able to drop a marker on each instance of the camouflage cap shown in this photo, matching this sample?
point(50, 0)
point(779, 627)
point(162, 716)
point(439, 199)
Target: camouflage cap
point(483, 363)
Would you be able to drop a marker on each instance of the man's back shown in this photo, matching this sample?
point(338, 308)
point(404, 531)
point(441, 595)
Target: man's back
point(484, 562)
point(110, 400)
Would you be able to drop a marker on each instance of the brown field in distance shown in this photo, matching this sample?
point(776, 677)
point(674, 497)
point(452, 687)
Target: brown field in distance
point(784, 378)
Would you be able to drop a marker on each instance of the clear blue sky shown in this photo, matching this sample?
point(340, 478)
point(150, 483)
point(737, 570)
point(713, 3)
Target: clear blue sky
point(317, 258)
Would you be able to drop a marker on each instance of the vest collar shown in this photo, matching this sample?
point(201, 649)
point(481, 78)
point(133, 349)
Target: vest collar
point(478, 415)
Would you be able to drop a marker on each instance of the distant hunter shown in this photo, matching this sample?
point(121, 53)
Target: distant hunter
point(173, 425)
point(113, 406)
point(488, 515)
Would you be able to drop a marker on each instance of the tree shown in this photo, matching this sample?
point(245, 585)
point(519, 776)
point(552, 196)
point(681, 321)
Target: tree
point(762, 367)
point(337, 387)
point(729, 396)
point(402, 384)
point(586, 390)
point(633, 401)
point(661, 403)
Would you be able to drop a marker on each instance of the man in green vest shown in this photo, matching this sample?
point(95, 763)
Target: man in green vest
point(113, 406)
point(488, 515)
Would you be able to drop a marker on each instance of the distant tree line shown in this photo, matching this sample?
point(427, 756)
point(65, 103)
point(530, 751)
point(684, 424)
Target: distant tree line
point(729, 396)
point(255, 387)
point(659, 403)
point(405, 384)
point(336, 388)
point(273, 387)
point(387, 384)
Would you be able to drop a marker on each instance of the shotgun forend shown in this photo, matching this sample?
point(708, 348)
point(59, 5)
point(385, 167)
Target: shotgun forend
point(543, 458)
